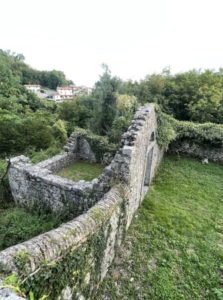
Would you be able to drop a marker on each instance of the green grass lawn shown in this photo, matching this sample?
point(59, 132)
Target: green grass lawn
point(174, 247)
point(81, 170)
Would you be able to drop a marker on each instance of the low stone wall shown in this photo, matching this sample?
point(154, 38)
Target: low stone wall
point(192, 149)
point(70, 261)
point(35, 186)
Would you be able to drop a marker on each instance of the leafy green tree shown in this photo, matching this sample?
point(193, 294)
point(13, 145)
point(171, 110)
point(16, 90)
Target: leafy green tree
point(60, 132)
point(105, 94)
point(75, 112)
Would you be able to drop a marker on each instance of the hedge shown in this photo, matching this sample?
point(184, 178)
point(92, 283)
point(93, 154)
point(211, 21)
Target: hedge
point(170, 129)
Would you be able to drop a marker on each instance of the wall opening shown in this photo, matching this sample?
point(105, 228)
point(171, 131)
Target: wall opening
point(152, 137)
point(148, 168)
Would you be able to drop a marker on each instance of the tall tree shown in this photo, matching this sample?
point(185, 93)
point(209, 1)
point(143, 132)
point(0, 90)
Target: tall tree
point(105, 93)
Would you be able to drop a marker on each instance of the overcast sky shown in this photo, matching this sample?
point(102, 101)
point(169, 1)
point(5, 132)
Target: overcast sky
point(134, 37)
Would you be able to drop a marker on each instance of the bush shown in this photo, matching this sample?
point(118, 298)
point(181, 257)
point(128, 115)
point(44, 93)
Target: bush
point(60, 132)
point(170, 129)
point(5, 193)
point(202, 134)
point(165, 130)
point(43, 154)
point(99, 144)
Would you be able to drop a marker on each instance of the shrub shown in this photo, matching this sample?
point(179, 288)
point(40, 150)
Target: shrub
point(170, 129)
point(59, 132)
point(165, 130)
point(99, 144)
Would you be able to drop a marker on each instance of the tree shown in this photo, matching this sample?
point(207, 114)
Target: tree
point(105, 94)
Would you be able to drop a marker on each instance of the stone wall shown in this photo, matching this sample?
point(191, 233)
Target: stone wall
point(35, 186)
point(193, 149)
point(69, 262)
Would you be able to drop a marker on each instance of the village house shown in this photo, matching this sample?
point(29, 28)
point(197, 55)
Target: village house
point(65, 92)
point(62, 92)
point(33, 87)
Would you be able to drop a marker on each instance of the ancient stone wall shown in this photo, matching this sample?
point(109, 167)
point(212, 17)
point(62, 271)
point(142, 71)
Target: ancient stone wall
point(69, 262)
point(35, 186)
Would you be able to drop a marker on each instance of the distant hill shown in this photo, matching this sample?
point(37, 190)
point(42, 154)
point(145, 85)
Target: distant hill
point(14, 73)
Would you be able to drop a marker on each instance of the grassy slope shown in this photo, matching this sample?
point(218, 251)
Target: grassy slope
point(81, 170)
point(174, 247)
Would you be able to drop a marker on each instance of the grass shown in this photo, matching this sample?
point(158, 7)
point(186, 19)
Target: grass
point(18, 225)
point(81, 170)
point(174, 247)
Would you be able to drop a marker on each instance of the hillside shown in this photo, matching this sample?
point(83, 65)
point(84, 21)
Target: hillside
point(14, 73)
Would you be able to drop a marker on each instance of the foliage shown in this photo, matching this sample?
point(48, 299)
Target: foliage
point(18, 225)
point(81, 170)
point(37, 156)
point(16, 73)
point(69, 270)
point(170, 129)
point(30, 130)
point(125, 109)
point(105, 94)
point(173, 247)
point(12, 282)
point(201, 134)
point(5, 193)
point(192, 96)
point(119, 125)
point(60, 132)
point(77, 112)
point(165, 130)
point(30, 122)
point(99, 144)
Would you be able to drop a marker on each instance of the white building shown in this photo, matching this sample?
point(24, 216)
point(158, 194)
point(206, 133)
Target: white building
point(65, 92)
point(33, 87)
point(56, 97)
point(69, 92)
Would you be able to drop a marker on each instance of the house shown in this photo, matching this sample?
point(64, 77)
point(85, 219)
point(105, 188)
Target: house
point(69, 92)
point(55, 96)
point(62, 92)
point(65, 92)
point(33, 87)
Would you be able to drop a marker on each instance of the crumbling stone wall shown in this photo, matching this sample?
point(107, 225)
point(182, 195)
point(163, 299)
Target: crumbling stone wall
point(36, 186)
point(69, 262)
